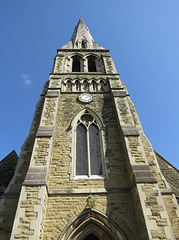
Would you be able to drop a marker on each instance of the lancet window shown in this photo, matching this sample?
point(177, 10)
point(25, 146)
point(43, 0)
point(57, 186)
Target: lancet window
point(88, 156)
point(76, 64)
point(77, 86)
point(69, 86)
point(91, 64)
point(94, 86)
point(102, 85)
point(85, 85)
point(83, 44)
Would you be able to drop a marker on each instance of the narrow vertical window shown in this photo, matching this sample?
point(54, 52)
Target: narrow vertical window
point(101, 85)
point(81, 151)
point(91, 64)
point(95, 151)
point(85, 86)
point(95, 88)
point(76, 64)
point(78, 86)
point(83, 44)
point(69, 86)
point(88, 154)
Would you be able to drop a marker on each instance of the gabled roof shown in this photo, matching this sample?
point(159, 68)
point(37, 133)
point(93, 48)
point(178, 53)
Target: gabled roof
point(7, 169)
point(81, 38)
point(170, 172)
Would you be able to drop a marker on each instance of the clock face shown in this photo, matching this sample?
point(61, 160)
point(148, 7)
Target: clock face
point(85, 98)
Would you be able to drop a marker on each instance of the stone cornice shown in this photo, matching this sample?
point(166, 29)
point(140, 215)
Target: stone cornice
point(83, 50)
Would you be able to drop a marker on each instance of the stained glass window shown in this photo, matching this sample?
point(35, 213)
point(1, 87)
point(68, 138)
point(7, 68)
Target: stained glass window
point(95, 151)
point(88, 146)
point(81, 151)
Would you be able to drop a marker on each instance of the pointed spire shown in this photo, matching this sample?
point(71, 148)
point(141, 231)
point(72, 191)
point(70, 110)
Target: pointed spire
point(81, 38)
point(81, 22)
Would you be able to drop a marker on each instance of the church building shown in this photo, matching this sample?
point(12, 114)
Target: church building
point(86, 170)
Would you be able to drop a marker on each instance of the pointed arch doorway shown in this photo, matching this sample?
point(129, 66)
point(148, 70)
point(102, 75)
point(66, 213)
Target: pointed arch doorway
point(91, 236)
point(93, 230)
point(92, 225)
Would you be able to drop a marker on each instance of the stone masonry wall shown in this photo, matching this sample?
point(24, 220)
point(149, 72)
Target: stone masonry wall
point(29, 218)
point(141, 156)
point(28, 206)
point(41, 151)
point(152, 195)
point(149, 152)
point(61, 154)
point(9, 201)
point(173, 212)
point(61, 210)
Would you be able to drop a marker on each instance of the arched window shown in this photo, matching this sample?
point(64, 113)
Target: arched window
point(76, 64)
point(83, 44)
point(69, 86)
point(78, 86)
point(85, 85)
point(88, 154)
point(94, 85)
point(91, 64)
point(101, 85)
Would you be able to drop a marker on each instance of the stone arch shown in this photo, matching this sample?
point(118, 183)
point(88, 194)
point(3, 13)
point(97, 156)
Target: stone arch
point(94, 85)
point(95, 223)
point(77, 62)
point(93, 62)
point(77, 85)
point(101, 85)
point(83, 43)
point(69, 86)
point(76, 54)
point(99, 120)
point(92, 55)
point(100, 144)
point(85, 85)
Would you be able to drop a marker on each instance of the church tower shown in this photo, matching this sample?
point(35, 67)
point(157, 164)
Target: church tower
point(87, 171)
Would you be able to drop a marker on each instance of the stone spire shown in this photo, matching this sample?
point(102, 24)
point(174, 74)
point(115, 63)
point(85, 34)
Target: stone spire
point(81, 38)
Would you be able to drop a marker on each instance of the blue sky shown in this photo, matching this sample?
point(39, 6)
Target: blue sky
point(143, 38)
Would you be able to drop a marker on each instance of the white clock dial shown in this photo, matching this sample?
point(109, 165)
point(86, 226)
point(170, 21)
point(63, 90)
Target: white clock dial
point(85, 98)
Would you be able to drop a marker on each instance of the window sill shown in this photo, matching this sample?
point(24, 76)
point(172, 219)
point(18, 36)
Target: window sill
point(93, 177)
